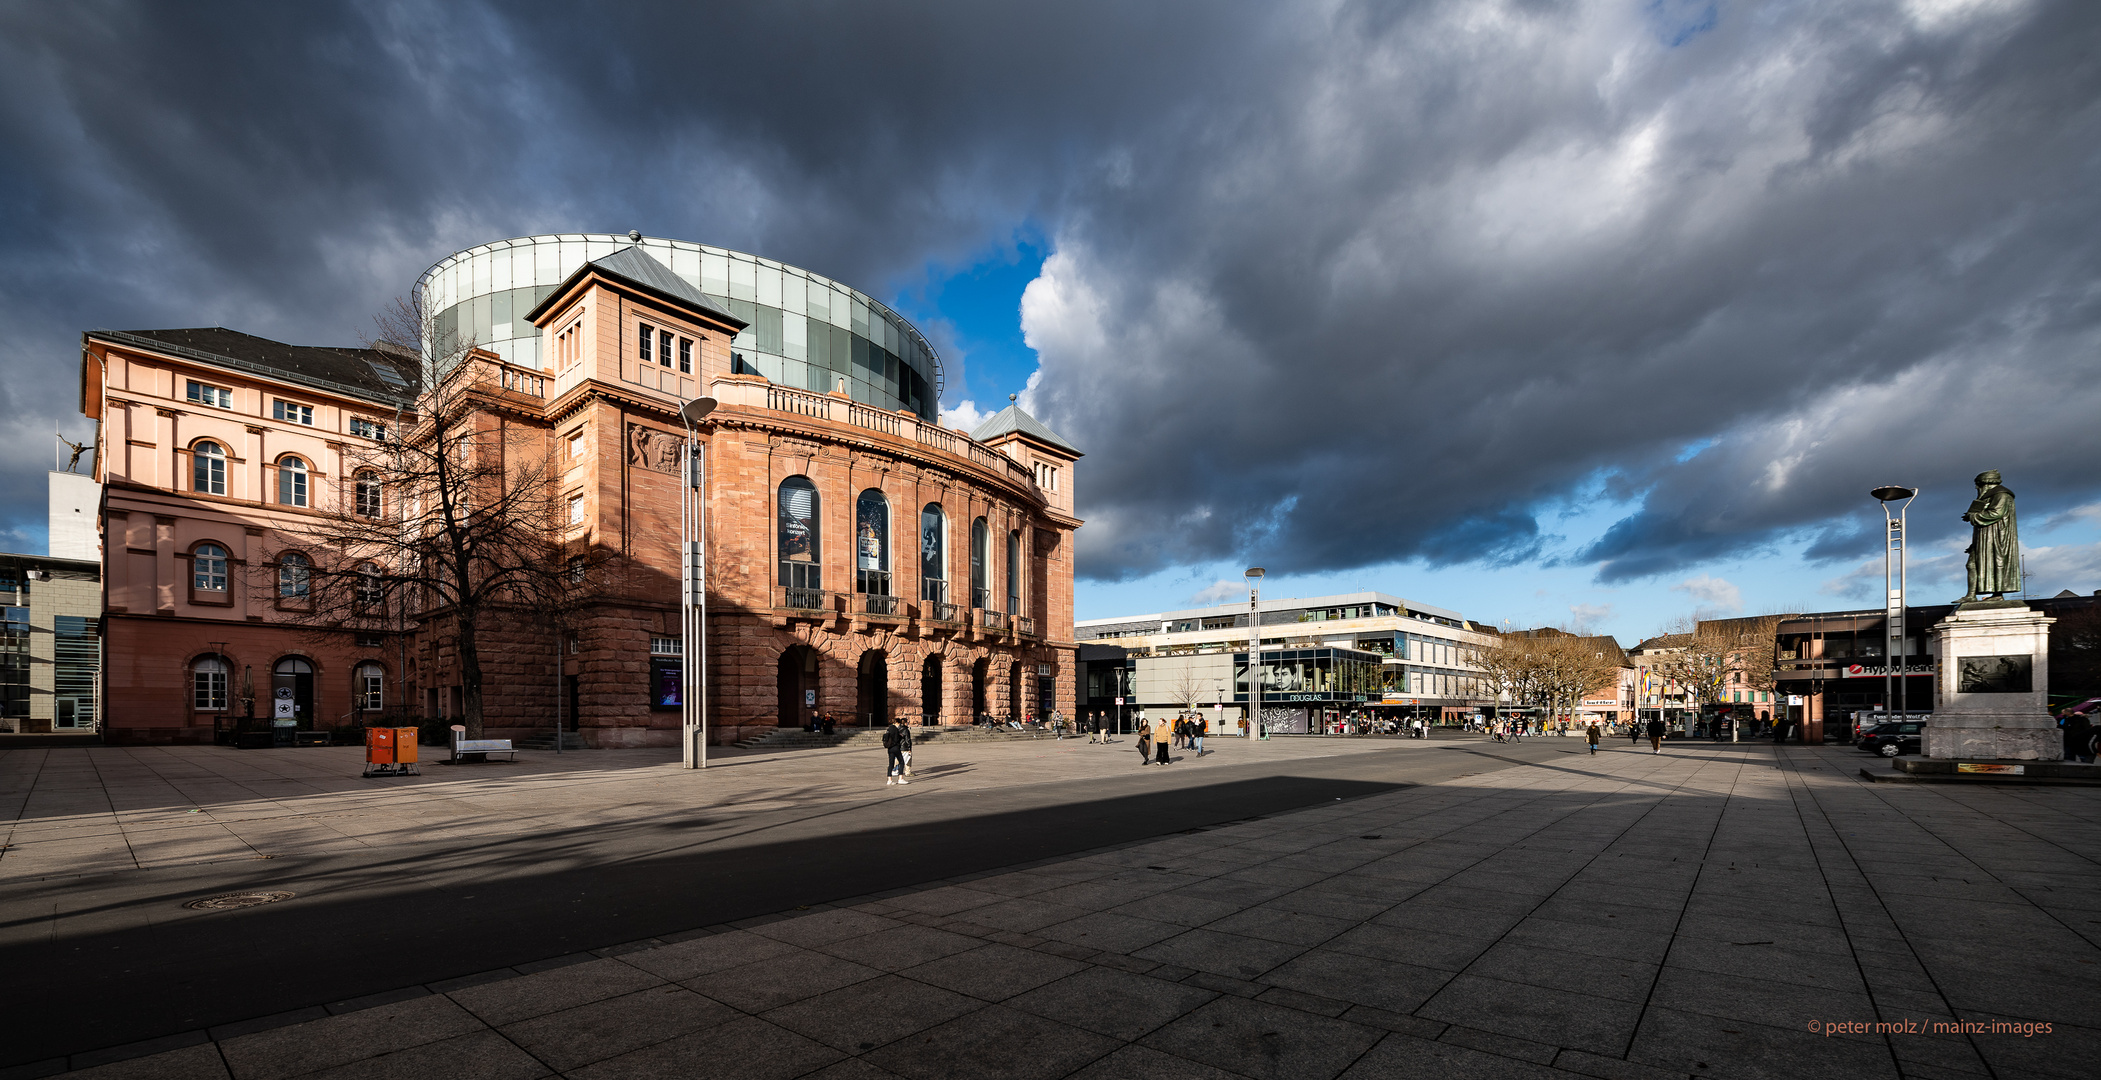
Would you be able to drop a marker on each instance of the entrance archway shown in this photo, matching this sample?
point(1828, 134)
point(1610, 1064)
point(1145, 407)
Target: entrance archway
point(1014, 698)
point(930, 691)
point(873, 689)
point(978, 673)
point(293, 680)
point(797, 678)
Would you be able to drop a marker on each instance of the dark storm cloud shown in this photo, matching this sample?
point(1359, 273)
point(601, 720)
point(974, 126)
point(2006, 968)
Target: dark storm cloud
point(1334, 285)
point(1453, 265)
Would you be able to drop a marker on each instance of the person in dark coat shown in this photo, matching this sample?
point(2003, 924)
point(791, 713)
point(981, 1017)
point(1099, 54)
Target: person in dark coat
point(2079, 737)
point(1656, 736)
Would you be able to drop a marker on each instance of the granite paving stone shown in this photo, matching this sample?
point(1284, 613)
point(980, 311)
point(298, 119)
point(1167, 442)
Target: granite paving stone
point(1626, 916)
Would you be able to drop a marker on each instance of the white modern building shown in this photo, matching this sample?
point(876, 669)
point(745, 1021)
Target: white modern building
point(1315, 656)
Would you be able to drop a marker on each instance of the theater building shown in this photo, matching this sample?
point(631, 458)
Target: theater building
point(863, 560)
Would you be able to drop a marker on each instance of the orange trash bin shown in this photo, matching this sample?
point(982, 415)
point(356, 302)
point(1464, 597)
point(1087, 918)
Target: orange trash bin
point(390, 752)
point(379, 746)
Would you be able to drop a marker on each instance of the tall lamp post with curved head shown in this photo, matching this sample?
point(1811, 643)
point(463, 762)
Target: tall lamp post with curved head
point(1896, 642)
point(693, 588)
point(1254, 653)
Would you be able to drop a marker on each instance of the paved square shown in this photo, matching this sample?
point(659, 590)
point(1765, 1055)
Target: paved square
point(1712, 911)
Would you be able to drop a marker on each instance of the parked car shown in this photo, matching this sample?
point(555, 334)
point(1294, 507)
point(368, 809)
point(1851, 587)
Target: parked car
point(1891, 739)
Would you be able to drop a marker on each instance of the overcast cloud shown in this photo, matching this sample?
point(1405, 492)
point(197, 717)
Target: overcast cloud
point(1331, 284)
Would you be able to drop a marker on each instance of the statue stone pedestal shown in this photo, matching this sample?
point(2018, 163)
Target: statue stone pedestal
point(1991, 692)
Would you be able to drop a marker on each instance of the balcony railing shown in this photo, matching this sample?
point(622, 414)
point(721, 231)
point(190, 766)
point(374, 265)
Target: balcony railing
point(992, 620)
point(937, 610)
point(1026, 625)
point(740, 390)
point(805, 599)
point(878, 604)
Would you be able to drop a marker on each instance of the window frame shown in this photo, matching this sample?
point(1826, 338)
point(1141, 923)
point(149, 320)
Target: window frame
point(204, 393)
point(297, 576)
point(685, 355)
point(214, 597)
point(292, 412)
point(294, 482)
point(366, 492)
point(211, 464)
point(210, 695)
point(799, 573)
point(645, 336)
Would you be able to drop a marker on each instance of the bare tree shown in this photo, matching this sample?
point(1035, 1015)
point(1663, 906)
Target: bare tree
point(450, 516)
point(1718, 653)
point(1550, 668)
point(1187, 687)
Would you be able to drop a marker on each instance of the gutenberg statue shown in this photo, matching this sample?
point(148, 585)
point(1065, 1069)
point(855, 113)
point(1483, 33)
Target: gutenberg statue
point(1995, 543)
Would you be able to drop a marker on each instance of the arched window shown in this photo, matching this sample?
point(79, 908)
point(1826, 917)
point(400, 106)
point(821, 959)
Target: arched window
point(209, 472)
point(291, 482)
point(1014, 572)
point(208, 683)
point(799, 550)
point(980, 564)
point(933, 555)
point(294, 573)
point(872, 543)
point(368, 685)
point(365, 494)
point(208, 568)
point(371, 586)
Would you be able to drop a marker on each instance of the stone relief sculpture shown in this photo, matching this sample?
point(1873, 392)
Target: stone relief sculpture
point(655, 450)
point(1995, 543)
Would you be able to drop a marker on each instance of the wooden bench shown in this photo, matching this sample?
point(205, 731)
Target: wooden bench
point(471, 750)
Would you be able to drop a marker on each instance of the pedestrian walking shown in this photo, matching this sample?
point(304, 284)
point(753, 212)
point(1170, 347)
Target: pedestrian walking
point(1163, 740)
point(1196, 734)
point(1655, 736)
point(1634, 733)
point(897, 746)
point(1094, 730)
point(1590, 735)
point(1145, 743)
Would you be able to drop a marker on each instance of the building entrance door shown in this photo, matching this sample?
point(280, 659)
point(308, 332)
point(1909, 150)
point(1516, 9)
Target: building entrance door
point(293, 682)
point(874, 689)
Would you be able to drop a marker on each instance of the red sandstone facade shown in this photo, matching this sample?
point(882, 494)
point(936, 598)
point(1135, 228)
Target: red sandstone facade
point(856, 646)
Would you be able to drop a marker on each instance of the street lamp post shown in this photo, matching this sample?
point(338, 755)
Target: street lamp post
point(693, 588)
point(1896, 643)
point(1254, 653)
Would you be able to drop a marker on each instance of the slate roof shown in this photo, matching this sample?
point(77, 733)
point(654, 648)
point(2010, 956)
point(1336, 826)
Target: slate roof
point(638, 268)
point(1012, 419)
point(365, 373)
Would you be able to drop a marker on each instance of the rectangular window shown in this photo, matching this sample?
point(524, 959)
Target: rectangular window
point(576, 510)
point(209, 691)
point(297, 414)
point(664, 348)
point(576, 445)
point(369, 684)
point(215, 396)
point(370, 641)
point(685, 355)
point(647, 350)
point(368, 429)
point(667, 646)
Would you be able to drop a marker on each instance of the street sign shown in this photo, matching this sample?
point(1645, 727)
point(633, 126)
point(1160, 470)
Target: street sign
point(1119, 701)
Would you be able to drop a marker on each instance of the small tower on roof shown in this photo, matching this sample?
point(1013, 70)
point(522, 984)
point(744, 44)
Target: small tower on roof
point(1026, 439)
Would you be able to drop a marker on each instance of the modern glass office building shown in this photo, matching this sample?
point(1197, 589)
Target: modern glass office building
point(807, 331)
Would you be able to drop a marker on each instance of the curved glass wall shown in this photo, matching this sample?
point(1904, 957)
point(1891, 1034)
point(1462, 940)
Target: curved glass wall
point(807, 331)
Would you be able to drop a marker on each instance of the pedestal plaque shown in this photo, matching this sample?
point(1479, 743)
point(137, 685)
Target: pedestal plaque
point(1991, 693)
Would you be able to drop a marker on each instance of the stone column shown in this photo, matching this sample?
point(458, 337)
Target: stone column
point(1991, 689)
